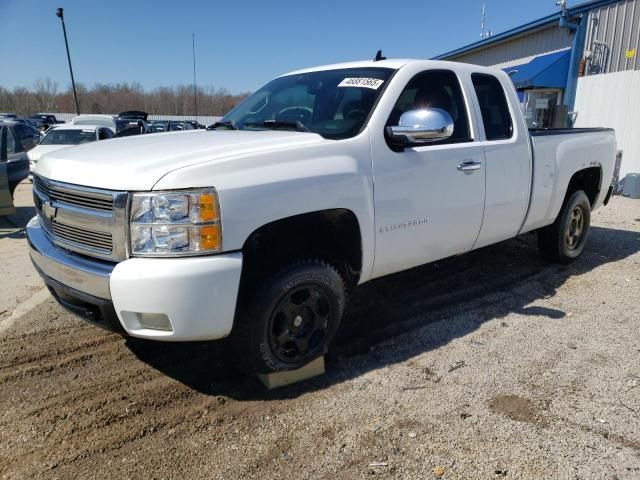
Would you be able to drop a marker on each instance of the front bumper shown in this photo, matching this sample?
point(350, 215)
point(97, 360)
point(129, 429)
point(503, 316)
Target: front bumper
point(177, 299)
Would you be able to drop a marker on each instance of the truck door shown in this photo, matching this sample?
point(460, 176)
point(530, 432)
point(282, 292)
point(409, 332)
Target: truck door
point(505, 140)
point(6, 201)
point(427, 206)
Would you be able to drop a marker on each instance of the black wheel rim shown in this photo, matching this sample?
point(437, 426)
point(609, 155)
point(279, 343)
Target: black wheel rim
point(300, 324)
point(575, 228)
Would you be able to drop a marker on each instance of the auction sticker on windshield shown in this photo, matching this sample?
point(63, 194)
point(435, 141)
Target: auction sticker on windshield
point(373, 83)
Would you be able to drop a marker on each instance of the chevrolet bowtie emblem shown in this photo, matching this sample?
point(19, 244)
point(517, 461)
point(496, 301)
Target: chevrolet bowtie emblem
point(49, 210)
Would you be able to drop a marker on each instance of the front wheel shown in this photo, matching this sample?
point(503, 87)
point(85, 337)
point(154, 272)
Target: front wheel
point(292, 318)
point(564, 240)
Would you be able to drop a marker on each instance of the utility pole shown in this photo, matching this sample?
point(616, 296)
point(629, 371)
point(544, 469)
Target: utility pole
point(60, 15)
point(195, 88)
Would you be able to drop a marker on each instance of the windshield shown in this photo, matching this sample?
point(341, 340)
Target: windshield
point(332, 103)
point(68, 137)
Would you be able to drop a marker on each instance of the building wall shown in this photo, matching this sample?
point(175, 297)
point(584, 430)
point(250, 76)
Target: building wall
point(519, 49)
point(617, 25)
point(612, 100)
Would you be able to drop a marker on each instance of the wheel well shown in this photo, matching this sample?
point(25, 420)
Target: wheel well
point(332, 235)
point(587, 180)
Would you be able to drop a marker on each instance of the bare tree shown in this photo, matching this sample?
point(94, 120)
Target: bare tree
point(46, 92)
point(45, 96)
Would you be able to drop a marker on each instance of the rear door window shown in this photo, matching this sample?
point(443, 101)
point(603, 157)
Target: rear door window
point(494, 108)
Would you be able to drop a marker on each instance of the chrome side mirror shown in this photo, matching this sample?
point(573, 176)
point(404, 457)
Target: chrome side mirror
point(422, 126)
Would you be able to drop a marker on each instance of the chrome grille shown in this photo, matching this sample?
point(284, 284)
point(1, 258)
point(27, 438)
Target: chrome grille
point(85, 220)
point(91, 200)
point(100, 241)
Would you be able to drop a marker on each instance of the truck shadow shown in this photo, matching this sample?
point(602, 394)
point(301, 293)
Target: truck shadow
point(448, 299)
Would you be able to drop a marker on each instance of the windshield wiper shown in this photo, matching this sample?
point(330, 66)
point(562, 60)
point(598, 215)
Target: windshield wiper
point(279, 125)
point(228, 124)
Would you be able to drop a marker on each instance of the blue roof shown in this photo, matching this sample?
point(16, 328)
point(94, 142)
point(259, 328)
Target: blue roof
point(544, 71)
point(581, 8)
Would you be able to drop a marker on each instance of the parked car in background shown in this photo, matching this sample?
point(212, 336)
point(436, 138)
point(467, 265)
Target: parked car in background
point(134, 115)
point(43, 121)
point(65, 136)
point(38, 124)
point(169, 126)
point(20, 120)
point(23, 131)
point(132, 122)
point(6, 198)
point(126, 128)
point(94, 120)
point(5, 116)
point(17, 140)
point(196, 125)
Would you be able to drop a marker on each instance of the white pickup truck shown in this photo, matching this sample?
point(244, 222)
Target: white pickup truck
point(323, 179)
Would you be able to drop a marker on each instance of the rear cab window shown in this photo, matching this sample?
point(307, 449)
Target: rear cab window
point(498, 124)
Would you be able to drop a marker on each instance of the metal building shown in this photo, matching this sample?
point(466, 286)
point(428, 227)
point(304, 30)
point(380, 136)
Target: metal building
point(579, 66)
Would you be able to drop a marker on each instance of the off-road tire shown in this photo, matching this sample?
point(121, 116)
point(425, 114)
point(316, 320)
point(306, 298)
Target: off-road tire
point(266, 320)
point(564, 240)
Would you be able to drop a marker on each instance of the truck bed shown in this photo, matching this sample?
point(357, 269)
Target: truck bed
point(557, 154)
point(539, 132)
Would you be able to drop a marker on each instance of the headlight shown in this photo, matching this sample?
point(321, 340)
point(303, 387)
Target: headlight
point(177, 223)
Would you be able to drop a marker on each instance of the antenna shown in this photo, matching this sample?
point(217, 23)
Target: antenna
point(379, 56)
point(195, 88)
point(484, 31)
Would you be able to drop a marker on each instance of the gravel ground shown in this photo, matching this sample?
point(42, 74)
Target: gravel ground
point(488, 365)
point(19, 280)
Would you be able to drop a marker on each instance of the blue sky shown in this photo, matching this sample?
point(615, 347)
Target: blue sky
point(239, 45)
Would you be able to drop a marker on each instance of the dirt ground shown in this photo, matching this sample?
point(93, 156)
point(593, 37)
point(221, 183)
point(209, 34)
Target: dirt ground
point(491, 364)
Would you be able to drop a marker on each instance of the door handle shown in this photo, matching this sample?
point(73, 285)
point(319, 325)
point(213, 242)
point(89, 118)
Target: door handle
point(469, 165)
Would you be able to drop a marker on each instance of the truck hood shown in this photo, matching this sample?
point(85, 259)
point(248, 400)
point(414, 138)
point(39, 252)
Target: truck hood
point(138, 162)
point(39, 150)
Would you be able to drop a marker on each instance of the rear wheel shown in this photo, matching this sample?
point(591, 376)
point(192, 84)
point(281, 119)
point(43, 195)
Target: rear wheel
point(564, 240)
point(292, 318)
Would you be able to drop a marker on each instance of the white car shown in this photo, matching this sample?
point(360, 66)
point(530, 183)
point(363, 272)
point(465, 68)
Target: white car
point(322, 180)
point(102, 120)
point(65, 136)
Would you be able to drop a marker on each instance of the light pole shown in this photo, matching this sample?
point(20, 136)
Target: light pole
point(195, 88)
point(60, 15)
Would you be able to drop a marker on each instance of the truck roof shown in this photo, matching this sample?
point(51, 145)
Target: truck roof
point(394, 64)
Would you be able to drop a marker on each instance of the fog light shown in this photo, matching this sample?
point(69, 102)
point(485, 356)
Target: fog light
point(151, 321)
point(155, 321)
